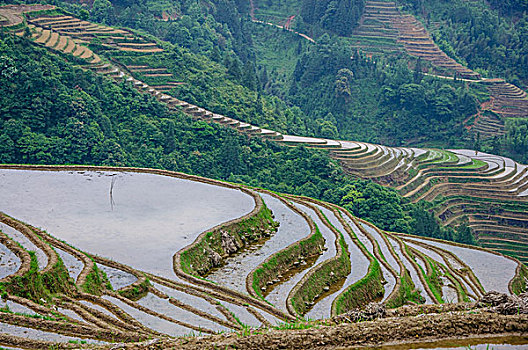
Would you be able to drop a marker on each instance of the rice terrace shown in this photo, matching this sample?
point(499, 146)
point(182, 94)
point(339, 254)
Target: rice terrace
point(157, 192)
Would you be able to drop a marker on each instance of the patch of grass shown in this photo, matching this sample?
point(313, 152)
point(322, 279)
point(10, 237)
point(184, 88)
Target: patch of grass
point(37, 286)
point(367, 289)
point(96, 281)
point(520, 280)
point(136, 292)
point(325, 274)
point(197, 260)
point(285, 259)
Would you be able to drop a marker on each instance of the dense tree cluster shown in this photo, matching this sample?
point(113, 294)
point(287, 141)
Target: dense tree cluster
point(55, 113)
point(475, 34)
point(337, 16)
point(343, 88)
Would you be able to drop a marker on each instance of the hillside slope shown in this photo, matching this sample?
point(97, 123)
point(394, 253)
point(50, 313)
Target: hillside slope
point(452, 182)
point(241, 260)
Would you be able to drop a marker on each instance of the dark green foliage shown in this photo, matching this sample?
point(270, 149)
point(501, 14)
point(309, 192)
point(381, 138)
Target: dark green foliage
point(514, 144)
point(424, 223)
point(375, 203)
point(54, 113)
point(337, 16)
point(510, 7)
point(377, 101)
point(496, 46)
point(464, 234)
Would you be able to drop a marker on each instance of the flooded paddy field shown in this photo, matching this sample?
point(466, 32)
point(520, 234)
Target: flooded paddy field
point(158, 255)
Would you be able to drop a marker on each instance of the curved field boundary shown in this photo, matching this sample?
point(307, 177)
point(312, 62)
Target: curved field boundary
point(309, 288)
point(132, 291)
point(176, 261)
point(375, 244)
point(205, 315)
point(159, 315)
point(458, 280)
point(92, 316)
point(69, 329)
point(431, 274)
point(411, 258)
point(397, 296)
point(52, 256)
point(283, 260)
point(195, 259)
point(461, 245)
point(21, 253)
point(122, 319)
point(209, 295)
point(379, 255)
point(471, 280)
point(368, 288)
point(87, 262)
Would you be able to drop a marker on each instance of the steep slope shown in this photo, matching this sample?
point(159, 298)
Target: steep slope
point(333, 263)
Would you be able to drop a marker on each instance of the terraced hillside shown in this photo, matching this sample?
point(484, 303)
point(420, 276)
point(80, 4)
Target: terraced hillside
point(103, 255)
point(82, 264)
point(84, 32)
point(384, 29)
point(489, 191)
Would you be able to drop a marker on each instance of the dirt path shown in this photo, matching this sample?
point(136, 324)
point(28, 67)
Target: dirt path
point(394, 330)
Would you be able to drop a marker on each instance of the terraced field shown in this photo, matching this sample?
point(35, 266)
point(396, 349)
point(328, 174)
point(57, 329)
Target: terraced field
point(104, 255)
point(490, 191)
point(385, 29)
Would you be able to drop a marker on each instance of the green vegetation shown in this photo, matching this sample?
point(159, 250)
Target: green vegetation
point(285, 260)
point(340, 17)
point(37, 286)
point(519, 282)
point(366, 290)
point(57, 113)
point(326, 274)
point(406, 292)
point(431, 275)
point(136, 291)
point(488, 42)
point(207, 253)
point(96, 281)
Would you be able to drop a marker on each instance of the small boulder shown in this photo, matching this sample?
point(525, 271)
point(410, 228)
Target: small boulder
point(229, 243)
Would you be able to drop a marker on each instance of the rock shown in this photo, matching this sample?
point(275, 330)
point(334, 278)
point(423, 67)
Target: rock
point(505, 304)
point(229, 243)
point(215, 258)
point(493, 299)
point(371, 312)
point(326, 288)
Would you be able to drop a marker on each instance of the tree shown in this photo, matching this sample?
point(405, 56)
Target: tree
point(102, 11)
point(418, 73)
point(464, 234)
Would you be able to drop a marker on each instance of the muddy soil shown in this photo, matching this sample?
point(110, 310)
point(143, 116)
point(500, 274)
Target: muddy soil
point(457, 325)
